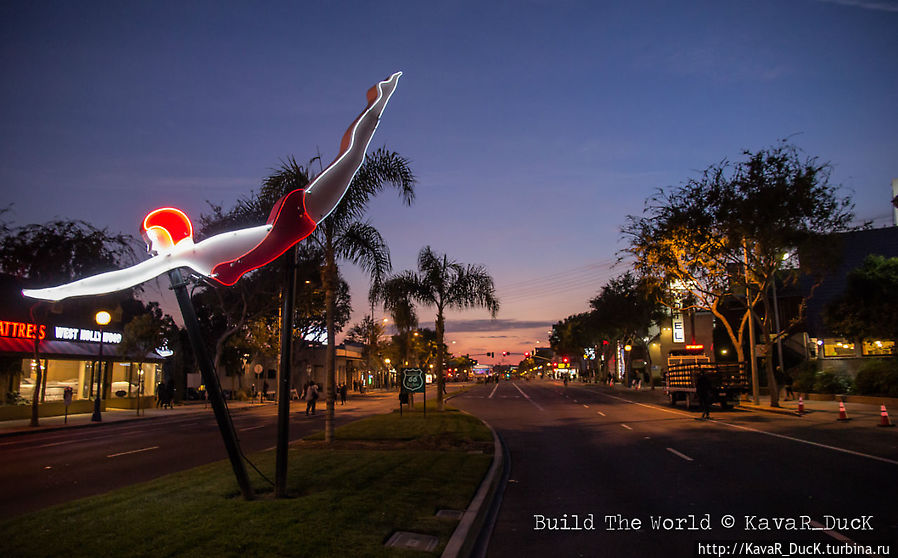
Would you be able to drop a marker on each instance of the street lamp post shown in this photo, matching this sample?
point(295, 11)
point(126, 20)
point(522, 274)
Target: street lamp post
point(102, 318)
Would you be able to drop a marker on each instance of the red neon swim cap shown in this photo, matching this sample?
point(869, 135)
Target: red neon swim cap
point(165, 227)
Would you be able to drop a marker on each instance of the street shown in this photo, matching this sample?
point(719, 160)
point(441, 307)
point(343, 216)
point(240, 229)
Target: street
point(601, 471)
point(45, 468)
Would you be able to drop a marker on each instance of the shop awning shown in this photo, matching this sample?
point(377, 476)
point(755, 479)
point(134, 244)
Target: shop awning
point(49, 349)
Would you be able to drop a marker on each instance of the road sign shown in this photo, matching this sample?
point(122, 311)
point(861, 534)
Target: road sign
point(413, 380)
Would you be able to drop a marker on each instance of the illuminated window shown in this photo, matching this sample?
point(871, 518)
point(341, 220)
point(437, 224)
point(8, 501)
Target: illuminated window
point(878, 347)
point(835, 347)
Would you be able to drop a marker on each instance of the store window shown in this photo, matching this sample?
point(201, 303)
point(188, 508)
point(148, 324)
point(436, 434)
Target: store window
point(60, 375)
point(836, 347)
point(878, 347)
point(79, 375)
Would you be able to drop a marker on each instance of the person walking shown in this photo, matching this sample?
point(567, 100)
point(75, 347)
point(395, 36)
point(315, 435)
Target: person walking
point(703, 387)
point(311, 396)
point(343, 394)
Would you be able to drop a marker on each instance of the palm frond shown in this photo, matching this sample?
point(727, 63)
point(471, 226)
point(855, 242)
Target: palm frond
point(362, 244)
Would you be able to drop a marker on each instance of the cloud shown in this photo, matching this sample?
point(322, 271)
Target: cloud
point(866, 5)
point(461, 326)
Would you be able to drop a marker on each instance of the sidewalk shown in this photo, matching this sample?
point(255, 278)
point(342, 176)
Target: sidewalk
point(813, 409)
point(115, 416)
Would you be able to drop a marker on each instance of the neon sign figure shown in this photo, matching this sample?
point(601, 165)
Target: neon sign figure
point(226, 257)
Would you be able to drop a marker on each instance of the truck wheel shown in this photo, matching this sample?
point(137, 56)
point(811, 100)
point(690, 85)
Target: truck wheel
point(673, 399)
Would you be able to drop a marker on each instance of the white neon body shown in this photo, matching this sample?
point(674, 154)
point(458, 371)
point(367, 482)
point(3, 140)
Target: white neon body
point(325, 192)
point(320, 199)
point(200, 257)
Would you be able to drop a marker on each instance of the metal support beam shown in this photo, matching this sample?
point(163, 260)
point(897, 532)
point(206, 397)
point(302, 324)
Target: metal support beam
point(280, 479)
point(210, 379)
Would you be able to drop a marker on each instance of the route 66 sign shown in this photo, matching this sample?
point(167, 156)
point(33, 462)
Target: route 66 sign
point(413, 380)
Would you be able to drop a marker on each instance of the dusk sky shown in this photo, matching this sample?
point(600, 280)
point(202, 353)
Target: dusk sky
point(534, 127)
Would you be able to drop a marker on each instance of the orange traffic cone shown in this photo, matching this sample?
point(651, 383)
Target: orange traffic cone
point(800, 405)
point(842, 414)
point(884, 420)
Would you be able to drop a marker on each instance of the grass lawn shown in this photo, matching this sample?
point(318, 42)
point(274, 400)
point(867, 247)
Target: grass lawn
point(383, 474)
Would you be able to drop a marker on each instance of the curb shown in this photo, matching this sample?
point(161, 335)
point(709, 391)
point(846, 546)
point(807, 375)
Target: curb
point(465, 536)
point(773, 410)
point(57, 428)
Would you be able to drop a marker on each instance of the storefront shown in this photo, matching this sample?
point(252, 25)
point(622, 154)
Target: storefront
point(71, 357)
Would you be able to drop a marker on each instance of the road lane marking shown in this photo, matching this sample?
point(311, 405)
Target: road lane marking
point(252, 428)
point(758, 431)
point(627, 427)
point(587, 406)
point(134, 451)
point(56, 444)
point(681, 455)
point(601, 413)
point(527, 397)
point(493, 392)
point(810, 443)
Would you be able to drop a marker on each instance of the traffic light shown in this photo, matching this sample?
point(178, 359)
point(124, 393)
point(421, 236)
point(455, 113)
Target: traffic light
point(504, 353)
point(566, 359)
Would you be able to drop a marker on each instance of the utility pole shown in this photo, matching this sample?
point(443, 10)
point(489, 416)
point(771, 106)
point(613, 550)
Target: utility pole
point(755, 384)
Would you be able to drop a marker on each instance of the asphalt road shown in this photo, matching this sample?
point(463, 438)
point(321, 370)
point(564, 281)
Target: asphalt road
point(45, 468)
point(613, 461)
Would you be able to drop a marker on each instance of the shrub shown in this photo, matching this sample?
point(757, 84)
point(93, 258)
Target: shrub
point(803, 376)
point(829, 382)
point(878, 377)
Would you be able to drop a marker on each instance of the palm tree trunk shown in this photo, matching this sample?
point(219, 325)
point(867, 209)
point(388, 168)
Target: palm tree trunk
point(441, 384)
point(330, 281)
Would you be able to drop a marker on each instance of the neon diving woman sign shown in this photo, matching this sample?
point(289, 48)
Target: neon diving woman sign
point(228, 256)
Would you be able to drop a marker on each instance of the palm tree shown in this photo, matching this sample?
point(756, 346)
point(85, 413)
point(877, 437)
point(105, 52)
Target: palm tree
point(443, 284)
point(344, 236)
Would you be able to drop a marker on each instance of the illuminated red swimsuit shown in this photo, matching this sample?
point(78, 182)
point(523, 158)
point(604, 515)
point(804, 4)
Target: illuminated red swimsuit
point(290, 224)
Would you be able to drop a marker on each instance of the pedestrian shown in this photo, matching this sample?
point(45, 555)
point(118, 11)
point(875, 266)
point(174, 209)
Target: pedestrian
point(160, 394)
point(311, 396)
point(343, 394)
point(264, 390)
point(169, 396)
point(790, 395)
point(703, 387)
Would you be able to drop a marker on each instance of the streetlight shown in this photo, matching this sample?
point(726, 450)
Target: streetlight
point(102, 318)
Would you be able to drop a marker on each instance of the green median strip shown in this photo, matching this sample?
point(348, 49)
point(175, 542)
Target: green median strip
point(381, 475)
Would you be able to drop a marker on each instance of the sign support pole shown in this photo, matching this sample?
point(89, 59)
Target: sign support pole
point(280, 478)
point(213, 389)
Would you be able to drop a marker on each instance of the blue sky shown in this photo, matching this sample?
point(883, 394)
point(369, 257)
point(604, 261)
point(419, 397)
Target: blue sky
point(534, 127)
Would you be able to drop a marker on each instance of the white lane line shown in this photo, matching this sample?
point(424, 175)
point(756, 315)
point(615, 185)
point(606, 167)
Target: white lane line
point(134, 451)
point(56, 444)
point(252, 428)
point(494, 391)
point(681, 455)
point(810, 443)
point(527, 396)
point(749, 429)
point(627, 427)
point(587, 406)
point(601, 413)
